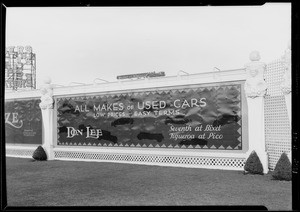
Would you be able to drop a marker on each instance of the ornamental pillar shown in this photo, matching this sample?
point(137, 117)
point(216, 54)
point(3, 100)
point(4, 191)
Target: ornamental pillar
point(255, 89)
point(286, 86)
point(46, 106)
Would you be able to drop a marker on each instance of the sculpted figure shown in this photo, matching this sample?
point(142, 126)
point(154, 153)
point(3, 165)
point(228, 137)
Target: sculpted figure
point(286, 86)
point(47, 95)
point(255, 84)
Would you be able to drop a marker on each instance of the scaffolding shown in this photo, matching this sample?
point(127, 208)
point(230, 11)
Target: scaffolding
point(20, 68)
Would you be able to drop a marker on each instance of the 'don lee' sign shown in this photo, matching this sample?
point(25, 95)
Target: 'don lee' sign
point(201, 117)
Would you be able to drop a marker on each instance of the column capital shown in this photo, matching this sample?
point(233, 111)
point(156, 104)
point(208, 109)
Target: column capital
point(255, 85)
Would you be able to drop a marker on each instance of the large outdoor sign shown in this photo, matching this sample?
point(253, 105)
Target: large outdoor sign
point(197, 117)
point(20, 68)
point(23, 122)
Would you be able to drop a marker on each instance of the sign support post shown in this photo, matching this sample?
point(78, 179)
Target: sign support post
point(46, 106)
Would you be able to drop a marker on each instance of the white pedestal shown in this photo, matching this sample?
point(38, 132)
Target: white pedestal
point(256, 130)
point(47, 115)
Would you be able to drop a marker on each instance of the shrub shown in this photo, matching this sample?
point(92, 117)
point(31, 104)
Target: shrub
point(253, 164)
point(39, 154)
point(283, 169)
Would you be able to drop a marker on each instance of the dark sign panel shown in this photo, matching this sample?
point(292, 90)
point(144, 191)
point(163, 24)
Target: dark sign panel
point(23, 122)
point(142, 75)
point(201, 117)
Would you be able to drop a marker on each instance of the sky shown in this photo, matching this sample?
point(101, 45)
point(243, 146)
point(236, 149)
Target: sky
point(80, 44)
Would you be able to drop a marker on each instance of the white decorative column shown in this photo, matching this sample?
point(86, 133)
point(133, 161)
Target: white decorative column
point(286, 86)
point(46, 106)
point(255, 89)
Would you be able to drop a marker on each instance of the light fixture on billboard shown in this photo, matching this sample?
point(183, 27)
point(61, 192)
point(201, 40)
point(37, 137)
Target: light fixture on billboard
point(97, 79)
point(217, 73)
point(180, 71)
point(20, 49)
point(11, 49)
point(28, 49)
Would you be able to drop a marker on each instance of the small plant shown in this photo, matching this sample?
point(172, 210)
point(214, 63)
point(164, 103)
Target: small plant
point(283, 168)
point(253, 164)
point(39, 154)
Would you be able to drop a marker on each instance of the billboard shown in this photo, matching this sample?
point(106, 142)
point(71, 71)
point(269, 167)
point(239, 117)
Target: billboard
point(201, 117)
point(23, 122)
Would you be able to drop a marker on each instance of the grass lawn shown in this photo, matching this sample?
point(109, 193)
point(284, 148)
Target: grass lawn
point(65, 183)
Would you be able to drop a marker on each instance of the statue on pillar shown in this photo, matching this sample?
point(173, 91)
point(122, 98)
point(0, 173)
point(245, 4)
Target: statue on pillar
point(47, 95)
point(285, 86)
point(255, 84)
